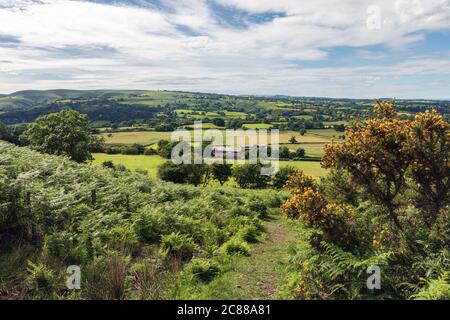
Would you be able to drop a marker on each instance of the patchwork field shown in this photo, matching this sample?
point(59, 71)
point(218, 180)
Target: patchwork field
point(318, 136)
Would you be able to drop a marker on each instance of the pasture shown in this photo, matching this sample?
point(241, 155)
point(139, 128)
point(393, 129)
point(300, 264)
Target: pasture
point(151, 163)
point(317, 136)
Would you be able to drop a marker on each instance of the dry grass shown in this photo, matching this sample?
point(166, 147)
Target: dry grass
point(145, 138)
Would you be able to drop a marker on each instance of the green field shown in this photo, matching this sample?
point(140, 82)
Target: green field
point(151, 163)
point(141, 137)
point(132, 162)
point(311, 149)
point(257, 126)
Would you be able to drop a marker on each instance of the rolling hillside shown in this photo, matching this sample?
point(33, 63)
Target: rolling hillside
point(55, 213)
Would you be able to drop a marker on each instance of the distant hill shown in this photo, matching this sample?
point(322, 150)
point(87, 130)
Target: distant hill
point(124, 105)
point(33, 98)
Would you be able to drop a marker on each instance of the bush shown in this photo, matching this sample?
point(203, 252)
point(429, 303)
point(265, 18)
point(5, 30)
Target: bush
point(108, 164)
point(383, 203)
point(235, 246)
point(249, 176)
point(436, 289)
point(202, 269)
point(134, 149)
point(41, 280)
point(113, 150)
point(250, 233)
point(280, 178)
point(178, 245)
point(150, 152)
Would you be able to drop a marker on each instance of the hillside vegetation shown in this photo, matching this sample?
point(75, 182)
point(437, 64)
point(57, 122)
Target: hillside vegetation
point(132, 236)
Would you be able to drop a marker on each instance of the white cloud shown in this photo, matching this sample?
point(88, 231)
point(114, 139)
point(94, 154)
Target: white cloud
point(183, 45)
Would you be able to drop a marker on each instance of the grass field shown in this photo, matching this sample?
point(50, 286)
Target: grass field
point(324, 133)
point(311, 149)
point(144, 137)
point(257, 126)
point(206, 125)
point(132, 162)
point(319, 136)
point(313, 141)
point(309, 137)
point(151, 163)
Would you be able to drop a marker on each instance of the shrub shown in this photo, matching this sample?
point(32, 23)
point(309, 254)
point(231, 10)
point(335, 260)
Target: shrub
point(250, 233)
point(178, 245)
point(59, 244)
point(134, 149)
point(249, 176)
point(436, 289)
point(280, 178)
point(41, 280)
point(108, 164)
point(202, 269)
point(236, 246)
point(385, 202)
point(150, 152)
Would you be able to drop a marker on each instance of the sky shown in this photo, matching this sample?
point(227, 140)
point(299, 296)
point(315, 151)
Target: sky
point(326, 48)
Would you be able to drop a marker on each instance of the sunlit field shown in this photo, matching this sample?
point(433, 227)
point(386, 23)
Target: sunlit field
point(151, 163)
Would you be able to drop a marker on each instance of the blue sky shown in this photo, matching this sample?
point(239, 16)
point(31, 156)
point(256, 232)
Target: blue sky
point(334, 48)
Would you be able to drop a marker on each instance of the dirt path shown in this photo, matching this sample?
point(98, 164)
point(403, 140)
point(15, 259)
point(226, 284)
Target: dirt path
point(255, 277)
point(259, 276)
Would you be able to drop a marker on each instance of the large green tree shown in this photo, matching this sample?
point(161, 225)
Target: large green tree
point(63, 133)
point(249, 176)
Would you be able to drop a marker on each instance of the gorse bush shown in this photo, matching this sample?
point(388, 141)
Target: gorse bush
point(385, 203)
point(106, 221)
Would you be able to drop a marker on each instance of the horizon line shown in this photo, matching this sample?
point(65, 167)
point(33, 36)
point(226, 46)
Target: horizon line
point(277, 95)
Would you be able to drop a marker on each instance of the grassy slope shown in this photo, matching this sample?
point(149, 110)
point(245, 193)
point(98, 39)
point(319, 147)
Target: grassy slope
point(188, 207)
